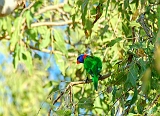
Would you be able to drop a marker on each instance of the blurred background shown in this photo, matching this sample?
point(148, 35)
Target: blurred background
point(41, 39)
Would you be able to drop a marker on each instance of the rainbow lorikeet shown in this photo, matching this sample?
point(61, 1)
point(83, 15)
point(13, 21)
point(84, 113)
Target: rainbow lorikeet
point(93, 66)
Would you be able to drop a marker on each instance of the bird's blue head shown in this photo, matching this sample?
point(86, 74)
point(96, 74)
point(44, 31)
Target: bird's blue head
point(81, 58)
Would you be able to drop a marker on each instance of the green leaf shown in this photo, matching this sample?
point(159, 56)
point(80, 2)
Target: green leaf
point(146, 81)
point(42, 30)
point(16, 56)
point(60, 62)
point(37, 56)
point(63, 112)
point(49, 84)
point(46, 40)
point(54, 89)
point(16, 34)
point(120, 78)
point(36, 6)
point(84, 11)
point(67, 113)
point(47, 14)
point(134, 98)
point(107, 7)
point(89, 24)
point(131, 114)
point(29, 18)
point(132, 75)
point(1, 24)
point(14, 40)
point(9, 25)
point(113, 111)
point(93, 11)
point(126, 29)
point(84, 5)
point(114, 42)
point(143, 65)
point(60, 112)
point(134, 24)
point(104, 30)
point(4, 24)
point(32, 33)
point(143, 2)
point(140, 107)
point(26, 58)
point(67, 8)
point(114, 93)
point(18, 22)
point(45, 34)
point(60, 43)
point(85, 103)
point(126, 3)
point(158, 12)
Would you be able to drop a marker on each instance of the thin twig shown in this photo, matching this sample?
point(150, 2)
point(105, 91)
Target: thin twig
point(154, 102)
point(76, 83)
point(51, 51)
point(43, 104)
point(6, 37)
point(71, 98)
point(133, 35)
point(148, 31)
point(52, 23)
point(118, 99)
point(27, 8)
point(52, 7)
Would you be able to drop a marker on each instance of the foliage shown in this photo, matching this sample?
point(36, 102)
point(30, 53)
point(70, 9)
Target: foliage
point(127, 43)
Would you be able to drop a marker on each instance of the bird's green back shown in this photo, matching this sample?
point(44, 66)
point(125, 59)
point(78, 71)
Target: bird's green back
point(93, 66)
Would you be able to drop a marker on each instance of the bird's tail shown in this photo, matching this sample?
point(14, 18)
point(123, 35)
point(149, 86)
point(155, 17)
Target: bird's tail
point(95, 82)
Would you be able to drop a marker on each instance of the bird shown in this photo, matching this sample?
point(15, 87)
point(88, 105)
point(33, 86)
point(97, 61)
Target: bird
point(92, 65)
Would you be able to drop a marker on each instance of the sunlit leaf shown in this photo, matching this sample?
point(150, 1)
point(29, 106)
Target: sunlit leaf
point(114, 42)
point(29, 18)
point(67, 8)
point(61, 63)
point(132, 75)
point(60, 44)
point(46, 40)
point(134, 98)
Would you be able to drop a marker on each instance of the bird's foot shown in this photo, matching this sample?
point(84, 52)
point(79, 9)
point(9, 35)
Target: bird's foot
point(87, 79)
point(100, 75)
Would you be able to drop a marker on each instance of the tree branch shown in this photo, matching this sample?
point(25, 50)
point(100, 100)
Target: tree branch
point(7, 37)
point(76, 83)
point(27, 8)
point(52, 23)
point(52, 7)
point(151, 105)
point(51, 51)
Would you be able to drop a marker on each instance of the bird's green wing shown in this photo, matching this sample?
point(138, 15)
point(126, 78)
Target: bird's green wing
point(88, 65)
point(93, 66)
point(98, 65)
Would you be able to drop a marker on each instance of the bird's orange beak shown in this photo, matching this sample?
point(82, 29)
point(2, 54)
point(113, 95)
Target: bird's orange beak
point(78, 62)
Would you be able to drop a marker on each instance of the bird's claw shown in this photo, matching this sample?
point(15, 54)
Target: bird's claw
point(86, 81)
point(100, 75)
